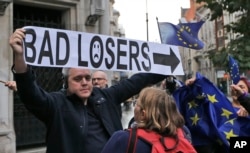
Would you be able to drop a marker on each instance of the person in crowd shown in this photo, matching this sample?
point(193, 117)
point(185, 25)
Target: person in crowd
point(243, 84)
point(170, 84)
point(83, 117)
point(100, 79)
point(156, 116)
point(243, 87)
point(241, 96)
point(11, 85)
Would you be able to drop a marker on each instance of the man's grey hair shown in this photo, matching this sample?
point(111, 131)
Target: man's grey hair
point(104, 73)
point(65, 72)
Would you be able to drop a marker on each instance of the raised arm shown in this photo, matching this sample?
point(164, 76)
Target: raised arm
point(16, 43)
point(243, 97)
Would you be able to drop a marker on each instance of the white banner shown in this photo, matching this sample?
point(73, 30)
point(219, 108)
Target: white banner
point(63, 48)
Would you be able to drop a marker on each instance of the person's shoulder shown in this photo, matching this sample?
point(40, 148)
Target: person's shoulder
point(121, 132)
point(117, 143)
point(120, 136)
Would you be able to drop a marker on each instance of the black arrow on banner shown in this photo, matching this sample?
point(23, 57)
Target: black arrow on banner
point(167, 60)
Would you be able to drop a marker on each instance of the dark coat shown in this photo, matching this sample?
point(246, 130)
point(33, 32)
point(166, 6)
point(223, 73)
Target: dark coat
point(66, 117)
point(118, 143)
point(245, 102)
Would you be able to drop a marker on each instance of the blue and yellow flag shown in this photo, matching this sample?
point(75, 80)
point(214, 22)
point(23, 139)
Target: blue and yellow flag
point(209, 114)
point(234, 70)
point(183, 34)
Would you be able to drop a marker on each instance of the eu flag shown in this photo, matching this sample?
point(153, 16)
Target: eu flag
point(209, 114)
point(234, 70)
point(183, 34)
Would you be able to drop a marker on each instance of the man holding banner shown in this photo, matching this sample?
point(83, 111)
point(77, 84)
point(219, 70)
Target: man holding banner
point(84, 117)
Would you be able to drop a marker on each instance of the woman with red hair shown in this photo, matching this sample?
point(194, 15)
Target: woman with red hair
point(241, 96)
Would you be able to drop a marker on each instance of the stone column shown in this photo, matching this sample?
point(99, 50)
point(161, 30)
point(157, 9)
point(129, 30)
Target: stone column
point(7, 135)
point(104, 23)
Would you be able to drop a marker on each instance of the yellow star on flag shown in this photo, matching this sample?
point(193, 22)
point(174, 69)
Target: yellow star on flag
point(212, 98)
point(231, 121)
point(226, 113)
point(195, 119)
point(200, 96)
point(230, 134)
point(192, 104)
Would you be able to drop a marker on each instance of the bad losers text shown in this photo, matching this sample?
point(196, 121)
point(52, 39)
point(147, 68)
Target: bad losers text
point(86, 50)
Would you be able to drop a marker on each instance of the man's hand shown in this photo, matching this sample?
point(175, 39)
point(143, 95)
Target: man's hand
point(189, 81)
point(16, 41)
point(242, 112)
point(237, 91)
point(11, 85)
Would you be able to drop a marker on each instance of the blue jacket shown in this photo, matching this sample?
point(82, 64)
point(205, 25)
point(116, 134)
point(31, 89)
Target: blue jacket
point(66, 117)
point(118, 143)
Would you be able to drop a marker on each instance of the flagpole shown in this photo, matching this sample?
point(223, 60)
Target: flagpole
point(147, 18)
point(158, 28)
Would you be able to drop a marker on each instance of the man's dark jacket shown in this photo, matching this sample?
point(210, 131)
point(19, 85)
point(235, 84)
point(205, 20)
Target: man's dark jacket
point(66, 117)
